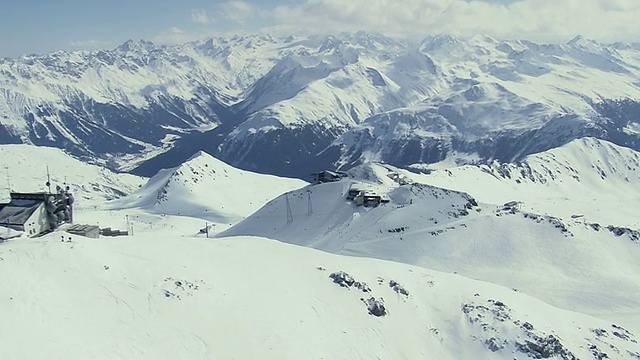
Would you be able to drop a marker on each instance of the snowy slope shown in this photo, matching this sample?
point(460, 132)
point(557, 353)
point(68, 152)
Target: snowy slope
point(208, 188)
point(587, 177)
point(161, 297)
point(565, 261)
point(24, 169)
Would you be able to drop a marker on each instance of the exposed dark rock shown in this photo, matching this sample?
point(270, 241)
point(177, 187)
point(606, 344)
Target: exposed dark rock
point(544, 348)
point(398, 288)
point(623, 333)
point(342, 278)
point(174, 288)
point(495, 344)
point(599, 332)
point(375, 306)
point(597, 353)
point(634, 235)
point(345, 280)
point(556, 222)
point(496, 310)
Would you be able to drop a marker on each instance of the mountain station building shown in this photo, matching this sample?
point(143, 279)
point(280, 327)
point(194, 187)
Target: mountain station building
point(36, 213)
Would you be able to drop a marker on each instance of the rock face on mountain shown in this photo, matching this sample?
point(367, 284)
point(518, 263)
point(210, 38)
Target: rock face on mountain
point(292, 105)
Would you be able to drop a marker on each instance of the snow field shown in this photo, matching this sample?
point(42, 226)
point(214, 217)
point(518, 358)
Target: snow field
point(163, 297)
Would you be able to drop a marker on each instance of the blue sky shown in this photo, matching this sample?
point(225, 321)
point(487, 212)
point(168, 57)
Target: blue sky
point(39, 26)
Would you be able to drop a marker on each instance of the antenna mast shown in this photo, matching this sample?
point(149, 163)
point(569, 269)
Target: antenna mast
point(8, 178)
point(48, 180)
point(309, 207)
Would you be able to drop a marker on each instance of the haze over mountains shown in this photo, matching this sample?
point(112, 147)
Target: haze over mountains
point(274, 104)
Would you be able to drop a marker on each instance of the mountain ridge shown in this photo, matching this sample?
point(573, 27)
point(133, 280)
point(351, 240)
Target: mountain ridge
point(502, 224)
point(321, 96)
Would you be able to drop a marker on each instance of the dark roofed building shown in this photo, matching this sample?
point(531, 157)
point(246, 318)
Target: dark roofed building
point(327, 176)
point(36, 213)
point(29, 216)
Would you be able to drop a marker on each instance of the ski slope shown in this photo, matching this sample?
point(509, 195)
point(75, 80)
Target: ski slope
point(163, 297)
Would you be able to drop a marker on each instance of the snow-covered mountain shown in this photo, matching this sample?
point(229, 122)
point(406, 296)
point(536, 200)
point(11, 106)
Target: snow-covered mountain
point(135, 99)
point(588, 178)
point(558, 212)
point(162, 297)
point(206, 187)
point(444, 230)
point(293, 105)
point(24, 168)
point(506, 99)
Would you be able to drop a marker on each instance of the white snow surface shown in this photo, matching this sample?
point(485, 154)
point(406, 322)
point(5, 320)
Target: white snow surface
point(587, 177)
point(460, 275)
point(154, 296)
point(207, 188)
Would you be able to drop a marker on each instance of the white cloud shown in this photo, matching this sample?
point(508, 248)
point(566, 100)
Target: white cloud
point(91, 44)
point(536, 20)
point(201, 16)
point(175, 35)
point(540, 20)
point(240, 11)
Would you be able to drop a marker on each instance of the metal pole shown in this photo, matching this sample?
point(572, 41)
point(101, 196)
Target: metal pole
point(48, 180)
point(8, 178)
point(289, 213)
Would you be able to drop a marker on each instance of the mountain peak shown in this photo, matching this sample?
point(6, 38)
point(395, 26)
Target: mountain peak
point(209, 188)
point(437, 42)
point(200, 154)
point(133, 46)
